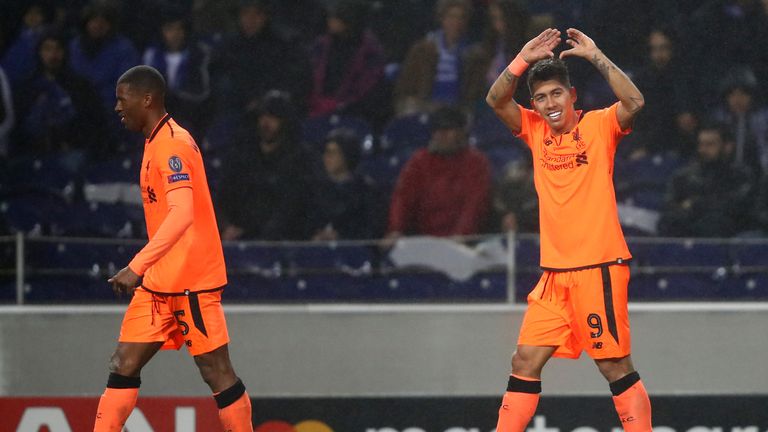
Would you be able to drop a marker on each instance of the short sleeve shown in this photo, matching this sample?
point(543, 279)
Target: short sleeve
point(527, 118)
point(175, 162)
point(611, 123)
point(607, 123)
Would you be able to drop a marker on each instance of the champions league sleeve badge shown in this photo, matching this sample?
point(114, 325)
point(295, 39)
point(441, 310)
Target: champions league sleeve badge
point(174, 163)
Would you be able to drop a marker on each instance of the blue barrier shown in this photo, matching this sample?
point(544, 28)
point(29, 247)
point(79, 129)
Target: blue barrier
point(70, 270)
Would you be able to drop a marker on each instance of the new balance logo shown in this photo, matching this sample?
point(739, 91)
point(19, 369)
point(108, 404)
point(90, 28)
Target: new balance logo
point(597, 345)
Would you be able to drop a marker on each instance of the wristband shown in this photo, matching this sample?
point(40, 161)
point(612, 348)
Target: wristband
point(518, 66)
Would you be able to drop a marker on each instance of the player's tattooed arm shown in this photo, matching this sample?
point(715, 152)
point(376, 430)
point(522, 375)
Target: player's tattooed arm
point(630, 99)
point(500, 98)
point(497, 92)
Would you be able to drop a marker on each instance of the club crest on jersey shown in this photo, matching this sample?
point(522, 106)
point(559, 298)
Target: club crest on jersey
point(578, 140)
point(174, 163)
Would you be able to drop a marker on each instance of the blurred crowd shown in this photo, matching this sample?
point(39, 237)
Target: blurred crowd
point(357, 119)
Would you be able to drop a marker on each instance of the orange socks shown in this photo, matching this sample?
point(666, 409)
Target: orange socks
point(632, 403)
point(116, 403)
point(235, 408)
point(518, 404)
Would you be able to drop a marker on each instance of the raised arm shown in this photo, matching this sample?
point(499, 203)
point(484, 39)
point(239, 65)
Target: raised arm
point(500, 96)
point(631, 101)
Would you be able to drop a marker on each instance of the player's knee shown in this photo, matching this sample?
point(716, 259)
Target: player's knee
point(524, 365)
point(123, 366)
point(615, 368)
point(215, 372)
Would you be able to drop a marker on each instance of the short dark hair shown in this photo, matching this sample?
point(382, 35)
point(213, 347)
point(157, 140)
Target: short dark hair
point(548, 69)
point(144, 78)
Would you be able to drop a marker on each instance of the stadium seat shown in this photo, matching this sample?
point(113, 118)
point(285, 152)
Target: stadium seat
point(746, 286)
point(242, 256)
point(527, 255)
point(104, 220)
point(749, 253)
point(7, 290)
point(121, 169)
point(643, 182)
point(35, 212)
point(500, 157)
point(219, 135)
point(407, 132)
point(68, 288)
point(328, 256)
point(682, 253)
point(48, 174)
point(488, 132)
point(674, 286)
point(385, 168)
point(316, 129)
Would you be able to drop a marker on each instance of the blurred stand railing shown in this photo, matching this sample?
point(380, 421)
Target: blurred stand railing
point(46, 270)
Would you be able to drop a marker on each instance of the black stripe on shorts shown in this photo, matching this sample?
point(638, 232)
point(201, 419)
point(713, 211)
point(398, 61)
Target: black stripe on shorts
point(608, 299)
point(197, 316)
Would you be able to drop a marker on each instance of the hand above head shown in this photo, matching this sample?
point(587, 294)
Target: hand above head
point(581, 45)
point(540, 47)
point(125, 281)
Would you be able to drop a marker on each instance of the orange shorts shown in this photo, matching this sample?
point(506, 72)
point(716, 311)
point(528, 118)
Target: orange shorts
point(580, 310)
point(196, 320)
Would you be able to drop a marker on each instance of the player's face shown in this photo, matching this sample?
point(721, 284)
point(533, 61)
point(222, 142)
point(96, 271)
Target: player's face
point(554, 101)
point(129, 107)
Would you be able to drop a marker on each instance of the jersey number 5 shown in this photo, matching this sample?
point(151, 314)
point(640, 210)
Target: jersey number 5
point(184, 326)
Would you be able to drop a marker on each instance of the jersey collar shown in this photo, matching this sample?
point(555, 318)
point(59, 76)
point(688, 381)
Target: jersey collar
point(160, 124)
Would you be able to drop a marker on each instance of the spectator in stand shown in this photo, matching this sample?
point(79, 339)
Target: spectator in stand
point(7, 115)
point(347, 64)
point(505, 35)
point(515, 203)
point(254, 60)
point(745, 118)
point(432, 71)
point(668, 121)
point(19, 59)
point(213, 20)
point(343, 200)
point(304, 19)
point(444, 189)
point(711, 197)
point(100, 53)
point(399, 24)
point(58, 110)
point(184, 64)
point(724, 25)
point(264, 191)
